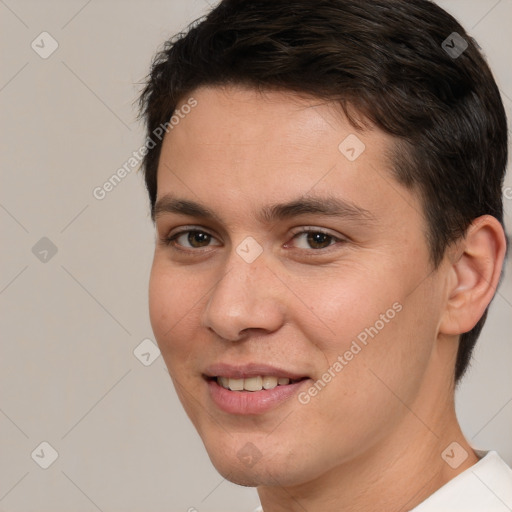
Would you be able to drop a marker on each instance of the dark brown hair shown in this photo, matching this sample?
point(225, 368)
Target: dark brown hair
point(397, 63)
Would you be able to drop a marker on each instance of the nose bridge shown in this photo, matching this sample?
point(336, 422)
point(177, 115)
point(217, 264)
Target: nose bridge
point(244, 297)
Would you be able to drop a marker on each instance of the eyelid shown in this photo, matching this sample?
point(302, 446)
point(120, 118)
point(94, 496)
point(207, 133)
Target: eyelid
point(171, 237)
point(314, 229)
point(336, 241)
point(192, 227)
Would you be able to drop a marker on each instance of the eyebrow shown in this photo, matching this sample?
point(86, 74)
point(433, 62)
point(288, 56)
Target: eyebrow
point(170, 204)
point(328, 206)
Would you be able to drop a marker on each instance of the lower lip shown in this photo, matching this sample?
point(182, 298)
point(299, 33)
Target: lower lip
point(251, 402)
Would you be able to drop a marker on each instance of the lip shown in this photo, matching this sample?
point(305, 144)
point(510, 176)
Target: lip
point(251, 402)
point(250, 370)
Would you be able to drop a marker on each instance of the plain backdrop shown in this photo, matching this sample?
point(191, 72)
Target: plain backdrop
point(74, 273)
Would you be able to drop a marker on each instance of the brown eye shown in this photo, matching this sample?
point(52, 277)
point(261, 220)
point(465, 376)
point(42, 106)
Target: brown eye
point(191, 239)
point(312, 239)
point(319, 240)
point(198, 239)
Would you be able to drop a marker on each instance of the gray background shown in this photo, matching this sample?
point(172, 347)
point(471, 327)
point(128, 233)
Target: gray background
point(70, 323)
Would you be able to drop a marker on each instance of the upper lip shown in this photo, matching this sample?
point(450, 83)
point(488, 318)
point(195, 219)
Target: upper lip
point(243, 371)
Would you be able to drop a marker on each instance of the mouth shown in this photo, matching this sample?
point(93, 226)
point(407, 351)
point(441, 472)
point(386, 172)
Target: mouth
point(252, 388)
point(254, 383)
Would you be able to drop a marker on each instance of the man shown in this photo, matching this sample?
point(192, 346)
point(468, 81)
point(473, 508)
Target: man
point(327, 201)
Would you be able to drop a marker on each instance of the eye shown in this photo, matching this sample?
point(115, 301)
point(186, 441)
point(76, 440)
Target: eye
point(314, 239)
point(191, 239)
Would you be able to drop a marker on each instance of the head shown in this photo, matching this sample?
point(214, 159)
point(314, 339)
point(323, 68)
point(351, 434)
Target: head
point(351, 116)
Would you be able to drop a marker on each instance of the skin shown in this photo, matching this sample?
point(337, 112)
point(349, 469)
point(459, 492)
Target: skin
point(372, 438)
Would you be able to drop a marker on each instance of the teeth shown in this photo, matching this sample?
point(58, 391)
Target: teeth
point(269, 382)
point(223, 381)
point(252, 383)
point(236, 384)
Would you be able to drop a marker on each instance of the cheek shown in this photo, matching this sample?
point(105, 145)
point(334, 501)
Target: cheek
point(377, 325)
point(171, 307)
point(161, 300)
point(357, 396)
point(338, 307)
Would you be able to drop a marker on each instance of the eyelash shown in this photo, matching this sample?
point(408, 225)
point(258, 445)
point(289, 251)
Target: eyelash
point(171, 240)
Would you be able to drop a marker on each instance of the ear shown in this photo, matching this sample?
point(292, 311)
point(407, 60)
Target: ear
point(474, 275)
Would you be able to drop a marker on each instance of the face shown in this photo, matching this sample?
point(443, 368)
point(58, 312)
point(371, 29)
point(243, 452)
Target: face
point(291, 291)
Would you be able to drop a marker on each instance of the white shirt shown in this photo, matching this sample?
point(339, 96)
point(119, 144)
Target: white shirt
point(484, 487)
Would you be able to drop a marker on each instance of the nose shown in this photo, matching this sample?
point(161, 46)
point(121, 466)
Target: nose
point(246, 299)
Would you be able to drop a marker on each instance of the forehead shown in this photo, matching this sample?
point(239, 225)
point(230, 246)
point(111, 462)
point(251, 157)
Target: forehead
point(240, 148)
point(271, 117)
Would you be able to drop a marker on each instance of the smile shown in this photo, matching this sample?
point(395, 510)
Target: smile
point(255, 383)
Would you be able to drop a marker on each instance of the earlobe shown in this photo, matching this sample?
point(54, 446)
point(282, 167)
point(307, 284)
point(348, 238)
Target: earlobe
point(475, 275)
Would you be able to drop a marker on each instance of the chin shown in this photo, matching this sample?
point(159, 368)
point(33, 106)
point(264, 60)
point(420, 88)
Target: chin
point(249, 467)
point(245, 478)
point(259, 475)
